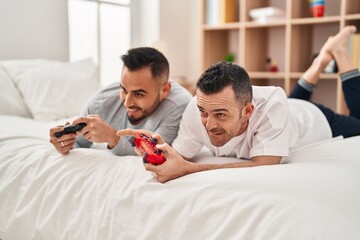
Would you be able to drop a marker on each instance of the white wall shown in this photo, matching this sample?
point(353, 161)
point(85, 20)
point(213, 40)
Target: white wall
point(172, 26)
point(180, 29)
point(34, 29)
point(39, 29)
point(145, 22)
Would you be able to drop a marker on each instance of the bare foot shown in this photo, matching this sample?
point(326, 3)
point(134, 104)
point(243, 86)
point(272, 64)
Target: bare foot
point(324, 57)
point(336, 47)
point(340, 41)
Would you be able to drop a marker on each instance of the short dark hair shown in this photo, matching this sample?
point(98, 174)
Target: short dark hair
point(138, 58)
point(223, 74)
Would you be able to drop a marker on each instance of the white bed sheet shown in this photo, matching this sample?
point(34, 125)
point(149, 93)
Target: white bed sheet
point(92, 194)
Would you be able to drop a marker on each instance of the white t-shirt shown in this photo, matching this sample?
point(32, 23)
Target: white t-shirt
point(277, 126)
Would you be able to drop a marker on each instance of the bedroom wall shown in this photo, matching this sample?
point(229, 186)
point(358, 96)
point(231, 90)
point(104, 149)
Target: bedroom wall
point(34, 29)
point(173, 27)
point(145, 22)
point(39, 29)
point(180, 29)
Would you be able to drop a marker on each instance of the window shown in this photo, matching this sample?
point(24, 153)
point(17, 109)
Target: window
point(100, 30)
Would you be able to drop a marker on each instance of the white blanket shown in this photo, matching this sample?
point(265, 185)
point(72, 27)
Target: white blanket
point(92, 194)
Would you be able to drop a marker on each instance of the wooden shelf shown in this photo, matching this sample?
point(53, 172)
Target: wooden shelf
point(292, 42)
point(326, 76)
point(224, 26)
point(266, 75)
point(264, 24)
point(352, 17)
point(315, 20)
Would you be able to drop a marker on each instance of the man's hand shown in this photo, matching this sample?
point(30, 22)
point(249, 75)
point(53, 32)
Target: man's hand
point(175, 165)
point(97, 130)
point(64, 143)
point(133, 132)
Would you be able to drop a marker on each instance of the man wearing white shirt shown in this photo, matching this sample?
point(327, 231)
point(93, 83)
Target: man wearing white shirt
point(270, 125)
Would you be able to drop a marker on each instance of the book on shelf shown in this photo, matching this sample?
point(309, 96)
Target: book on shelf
point(354, 49)
point(212, 12)
point(220, 11)
point(227, 11)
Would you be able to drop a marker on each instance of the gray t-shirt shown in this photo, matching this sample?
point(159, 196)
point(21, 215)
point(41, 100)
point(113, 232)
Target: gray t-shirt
point(164, 120)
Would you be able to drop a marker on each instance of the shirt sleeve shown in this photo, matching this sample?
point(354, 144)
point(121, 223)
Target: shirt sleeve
point(189, 140)
point(271, 136)
point(123, 147)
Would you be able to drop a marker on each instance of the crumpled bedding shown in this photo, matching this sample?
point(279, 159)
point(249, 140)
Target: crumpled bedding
point(92, 194)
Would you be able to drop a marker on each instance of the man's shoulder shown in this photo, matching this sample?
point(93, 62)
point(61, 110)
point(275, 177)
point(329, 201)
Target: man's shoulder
point(107, 96)
point(268, 92)
point(265, 96)
point(109, 90)
point(178, 96)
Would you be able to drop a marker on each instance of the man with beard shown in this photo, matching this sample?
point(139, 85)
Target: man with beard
point(144, 99)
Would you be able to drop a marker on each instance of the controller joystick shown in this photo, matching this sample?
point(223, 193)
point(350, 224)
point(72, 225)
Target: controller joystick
point(147, 144)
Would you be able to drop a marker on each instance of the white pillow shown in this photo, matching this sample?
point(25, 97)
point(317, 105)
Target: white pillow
point(11, 102)
point(52, 89)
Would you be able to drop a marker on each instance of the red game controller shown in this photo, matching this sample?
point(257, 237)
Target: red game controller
point(147, 144)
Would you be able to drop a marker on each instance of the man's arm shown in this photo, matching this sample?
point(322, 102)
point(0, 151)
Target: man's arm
point(97, 130)
point(176, 166)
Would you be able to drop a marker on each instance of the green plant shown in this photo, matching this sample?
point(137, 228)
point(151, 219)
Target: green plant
point(230, 57)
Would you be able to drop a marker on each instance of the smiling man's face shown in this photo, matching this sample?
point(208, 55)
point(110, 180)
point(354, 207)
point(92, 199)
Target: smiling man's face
point(140, 93)
point(221, 115)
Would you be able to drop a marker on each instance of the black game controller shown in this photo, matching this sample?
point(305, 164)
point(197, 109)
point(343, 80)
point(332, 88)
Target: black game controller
point(70, 129)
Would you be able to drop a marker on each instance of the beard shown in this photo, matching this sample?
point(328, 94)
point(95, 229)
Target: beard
point(145, 113)
point(137, 120)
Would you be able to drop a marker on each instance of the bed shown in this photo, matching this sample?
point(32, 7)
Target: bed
point(92, 194)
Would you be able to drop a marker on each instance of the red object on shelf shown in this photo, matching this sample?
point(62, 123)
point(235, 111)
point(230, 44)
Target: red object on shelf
point(317, 10)
point(271, 65)
point(273, 68)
